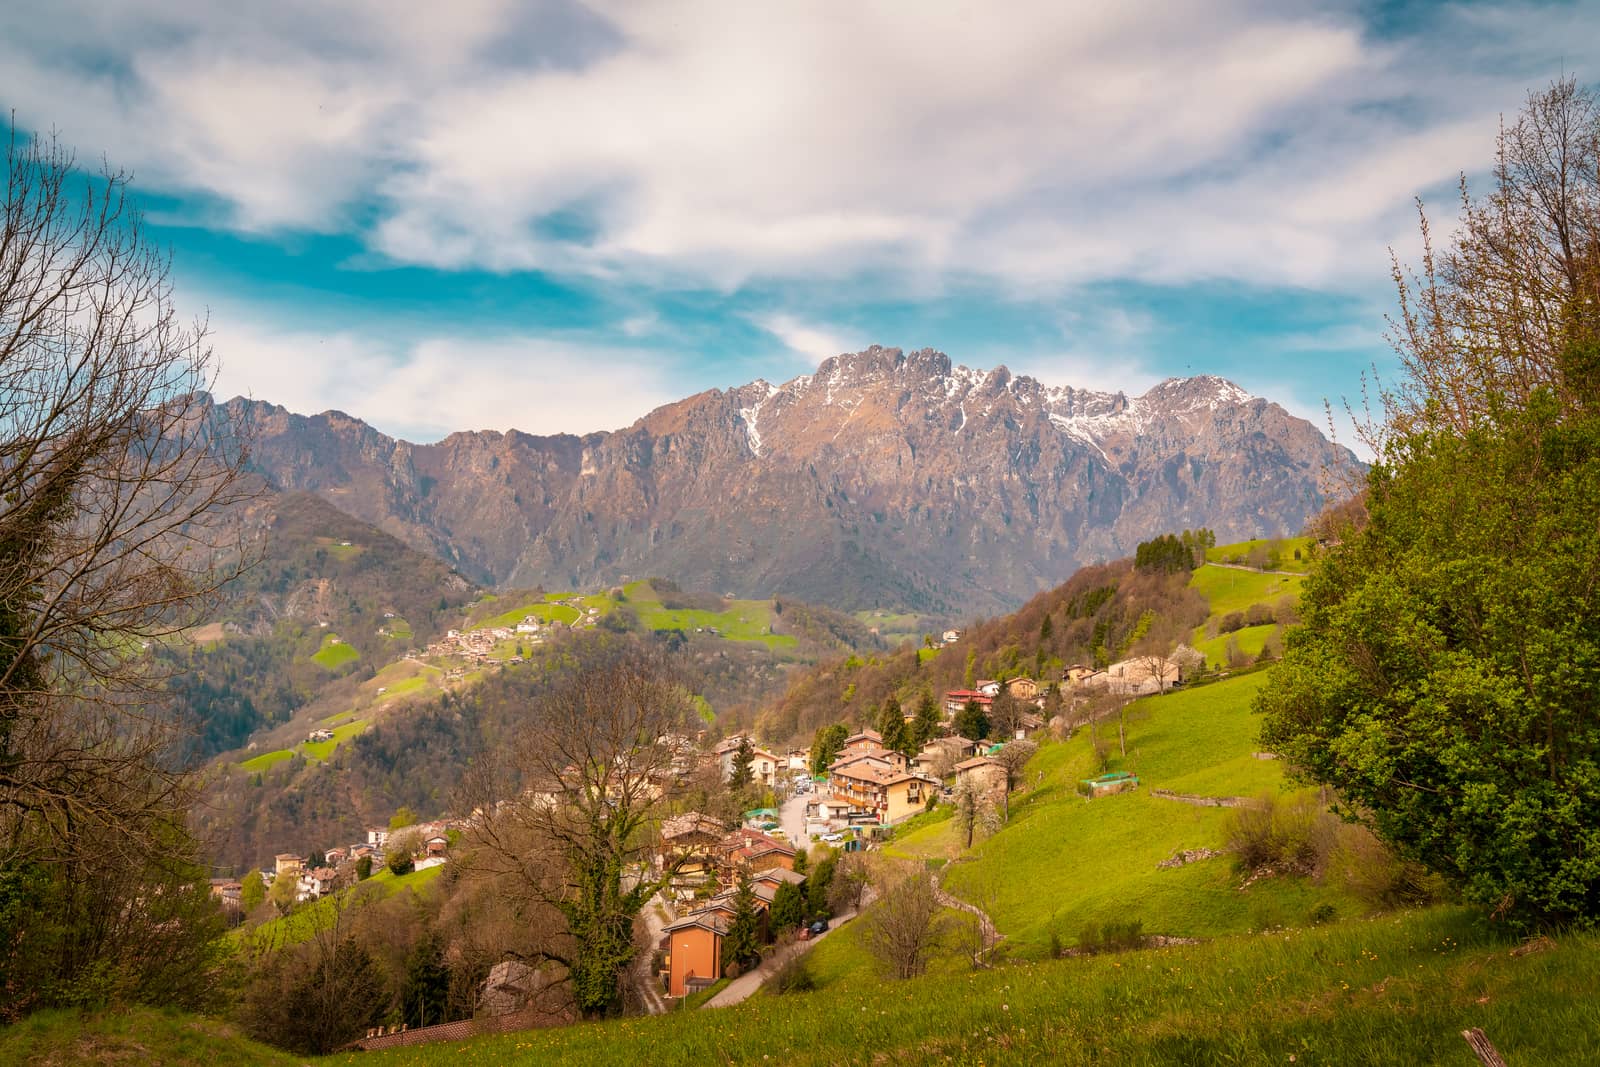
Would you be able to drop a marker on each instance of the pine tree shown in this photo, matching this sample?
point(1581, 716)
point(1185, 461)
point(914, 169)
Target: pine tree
point(925, 727)
point(788, 908)
point(742, 775)
point(892, 725)
point(741, 945)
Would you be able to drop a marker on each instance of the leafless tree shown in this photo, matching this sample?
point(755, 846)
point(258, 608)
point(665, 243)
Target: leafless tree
point(565, 814)
point(1492, 317)
point(904, 926)
point(117, 481)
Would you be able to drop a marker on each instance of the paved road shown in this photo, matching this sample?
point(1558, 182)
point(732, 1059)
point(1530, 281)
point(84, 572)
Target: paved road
point(644, 982)
point(746, 984)
point(792, 817)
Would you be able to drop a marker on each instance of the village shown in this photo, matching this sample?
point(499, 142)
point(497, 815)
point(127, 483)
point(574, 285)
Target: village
point(721, 872)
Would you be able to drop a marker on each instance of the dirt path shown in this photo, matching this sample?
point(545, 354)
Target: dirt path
point(1253, 570)
point(991, 936)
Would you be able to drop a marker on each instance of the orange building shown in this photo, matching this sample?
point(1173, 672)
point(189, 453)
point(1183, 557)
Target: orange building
point(694, 951)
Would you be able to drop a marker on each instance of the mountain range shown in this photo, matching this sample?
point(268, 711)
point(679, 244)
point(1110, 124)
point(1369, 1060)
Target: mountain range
point(885, 479)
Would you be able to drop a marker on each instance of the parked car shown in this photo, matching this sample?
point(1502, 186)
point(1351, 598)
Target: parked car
point(818, 927)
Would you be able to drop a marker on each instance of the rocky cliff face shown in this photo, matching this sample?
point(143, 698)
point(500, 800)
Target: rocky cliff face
point(884, 478)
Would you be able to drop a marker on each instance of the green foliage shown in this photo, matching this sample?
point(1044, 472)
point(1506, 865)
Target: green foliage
point(1444, 679)
point(972, 722)
point(742, 774)
point(334, 653)
point(402, 817)
point(741, 946)
point(1111, 937)
point(825, 747)
point(363, 868)
point(252, 891)
point(425, 993)
point(892, 725)
point(399, 862)
point(925, 726)
point(788, 907)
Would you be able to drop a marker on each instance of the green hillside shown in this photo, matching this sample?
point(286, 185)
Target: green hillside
point(132, 1036)
point(1392, 991)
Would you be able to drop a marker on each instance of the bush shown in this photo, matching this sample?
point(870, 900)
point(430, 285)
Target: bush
point(1112, 937)
point(795, 977)
point(1290, 834)
point(1366, 868)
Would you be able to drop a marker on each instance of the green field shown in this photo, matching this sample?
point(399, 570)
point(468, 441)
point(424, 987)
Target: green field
point(397, 629)
point(1228, 589)
point(1239, 552)
point(334, 653)
point(266, 760)
point(308, 918)
point(133, 1035)
point(1252, 639)
point(323, 749)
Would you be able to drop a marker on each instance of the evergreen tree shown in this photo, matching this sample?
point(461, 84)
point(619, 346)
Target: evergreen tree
point(825, 746)
point(741, 945)
point(788, 908)
point(973, 722)
point(425, 994)
point(817, 886)
point(925, 727)
point(742, 774)
point(892, 725)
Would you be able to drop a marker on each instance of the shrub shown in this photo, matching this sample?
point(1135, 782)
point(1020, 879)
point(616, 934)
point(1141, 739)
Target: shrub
point(1370, 871)
point(1291, 834)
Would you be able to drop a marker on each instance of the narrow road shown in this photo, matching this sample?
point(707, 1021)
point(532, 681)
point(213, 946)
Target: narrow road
point(1253, 570)
point(792, 817)
point(644, 983)
point(746, 984)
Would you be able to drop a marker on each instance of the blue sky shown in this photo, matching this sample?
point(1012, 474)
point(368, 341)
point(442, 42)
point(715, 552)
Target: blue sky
point(555, 216)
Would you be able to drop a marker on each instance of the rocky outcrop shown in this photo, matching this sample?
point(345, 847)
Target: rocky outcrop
point(884, 478)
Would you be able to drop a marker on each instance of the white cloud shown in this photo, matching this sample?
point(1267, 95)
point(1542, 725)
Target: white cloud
point(815, 343)
point(1041, 144)
point(427, 388)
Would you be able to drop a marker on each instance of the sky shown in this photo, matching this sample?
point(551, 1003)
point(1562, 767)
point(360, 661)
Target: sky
point(555, 216)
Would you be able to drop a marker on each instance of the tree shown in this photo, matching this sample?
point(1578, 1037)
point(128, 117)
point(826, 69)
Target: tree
point(118, 528)
point(743, 758)
point(892, 725)
point(849, 880)
point(252, 891)
point(925, 727)
point(904, 926)
point(425, 993)
point(363, 868)
point(1014, 755)
point(399, 862)
point(402, 818)
point(826, 745)
point(966, 816)
point(788, 907)
point(1005, 714)
point(971, 722)
point(284, 892)
point(1443, 678)
point(569, 803)
point(741, 945)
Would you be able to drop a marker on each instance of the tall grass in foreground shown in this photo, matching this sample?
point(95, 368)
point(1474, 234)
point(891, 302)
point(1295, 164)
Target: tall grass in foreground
point(1395, 990)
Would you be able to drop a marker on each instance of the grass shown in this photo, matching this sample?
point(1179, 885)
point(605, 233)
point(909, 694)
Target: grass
point(1239, 552)
point(1063, 862)
point(695, 1000)
point(323, 749)
point(334, 653)
point(744, 620)
point(397, 629)
point(131, 1036)
point(1252, 639)
point(266, 760)
point(1228, 590)
point(1395, 990)
point(406, 686)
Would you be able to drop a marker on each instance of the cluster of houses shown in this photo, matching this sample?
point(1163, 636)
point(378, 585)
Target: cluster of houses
point(339, 864)
point(710, 862)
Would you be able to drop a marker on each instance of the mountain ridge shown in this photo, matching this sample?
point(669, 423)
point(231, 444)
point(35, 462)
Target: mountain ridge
point(882, 478)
